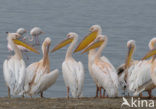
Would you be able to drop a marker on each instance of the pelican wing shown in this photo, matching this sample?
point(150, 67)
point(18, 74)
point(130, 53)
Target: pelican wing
point(80, 77)
point(146, 86)
point(73, 75)
point(108, 81)
point(45, 82)
point(112, 69)
point(70, 77)
point(103, 58)
point(139, 75)
point(14, 75)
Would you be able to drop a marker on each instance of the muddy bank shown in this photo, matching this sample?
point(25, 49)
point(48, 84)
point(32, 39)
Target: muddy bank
point(61, 103)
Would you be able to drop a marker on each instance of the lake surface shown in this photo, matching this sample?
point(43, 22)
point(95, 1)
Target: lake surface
point(121, 20)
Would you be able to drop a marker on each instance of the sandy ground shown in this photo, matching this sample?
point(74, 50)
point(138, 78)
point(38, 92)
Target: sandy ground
point(63, 103)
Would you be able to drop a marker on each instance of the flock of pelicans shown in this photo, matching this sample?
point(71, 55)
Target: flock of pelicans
point(134, 76)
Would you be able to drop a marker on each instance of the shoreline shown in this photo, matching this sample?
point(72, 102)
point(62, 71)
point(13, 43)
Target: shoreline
point(64, 103)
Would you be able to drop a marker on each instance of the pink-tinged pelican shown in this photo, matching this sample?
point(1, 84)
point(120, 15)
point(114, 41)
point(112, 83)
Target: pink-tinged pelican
point(103, 71)
point(73, 71)
point(14, 68)
point(95, 31)
point(38, 75)
point(35, 33)
point(136, 73)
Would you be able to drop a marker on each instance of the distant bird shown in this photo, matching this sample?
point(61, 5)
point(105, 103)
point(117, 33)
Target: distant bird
point(38, 75)
point(95, 32)
point(14, 68)
point(103, 70)
point(21, 31)
point(73, 71)
point(35, 32)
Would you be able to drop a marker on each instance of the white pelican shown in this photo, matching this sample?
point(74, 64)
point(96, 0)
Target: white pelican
point(73, 71)
point(103, 71)
point(152, 63)
point(137, 73)
point(35, 32)
point(96, 31)
point(14, 68)
point(38, 75)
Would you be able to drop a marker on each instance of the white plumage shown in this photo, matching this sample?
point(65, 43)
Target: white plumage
point(138, 75)
point(73, 71)
point(14, 69)
point(103, 71)
point(73, 74)
point(38, 75)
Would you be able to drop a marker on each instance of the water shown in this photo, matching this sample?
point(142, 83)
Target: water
point(121, 20)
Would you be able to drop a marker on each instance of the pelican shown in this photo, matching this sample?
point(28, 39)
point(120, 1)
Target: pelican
point(152, 63)
point(137, 73)
point(122, 74)
point(35, 32)
point(38, 75)
point(73, 71)
point(103, 71)
point(14, 68)
point(95, 31)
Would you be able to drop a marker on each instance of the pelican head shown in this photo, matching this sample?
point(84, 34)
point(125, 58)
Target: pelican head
point(152, 43)
point(99, 41)
point(152, 52)
point(14, 37)
point(21, 31)
point(46, 44)
point(131, 48)
point(95, 30)
point(70, 37)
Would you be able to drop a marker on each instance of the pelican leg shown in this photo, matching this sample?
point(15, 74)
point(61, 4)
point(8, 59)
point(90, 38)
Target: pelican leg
point(140, 95)
point(8, 92)
point(100, 92)
point(38, 41)
point(41, 94)
point(23, 96)
point(150, 93)
point(103, 93)
point(67, 92)
point(97, 91)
